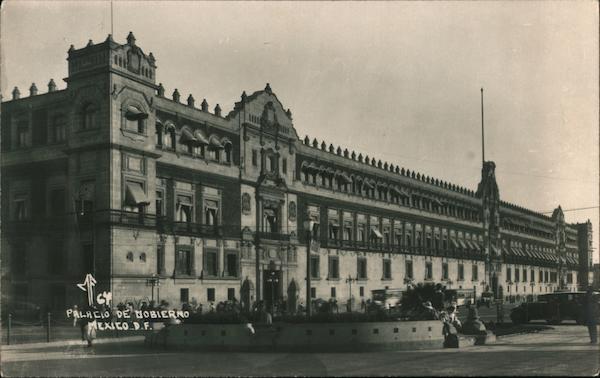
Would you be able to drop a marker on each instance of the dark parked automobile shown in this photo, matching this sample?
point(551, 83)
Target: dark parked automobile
point(554, 308)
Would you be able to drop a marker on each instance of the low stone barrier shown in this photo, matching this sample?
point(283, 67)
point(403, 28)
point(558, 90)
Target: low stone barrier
point(302, 337)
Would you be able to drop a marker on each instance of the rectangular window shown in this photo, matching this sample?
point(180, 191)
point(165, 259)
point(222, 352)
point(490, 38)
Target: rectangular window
point(159, 203)
point(428, 270)
point(211, 262)
point(532, 276)
point(409, 269)
point(22, 134)
point(361, 291)
point(232, 265)
point(57, 202)
point(20, 208)
point(570, 278)
point(184, 295)
point(314, 267)
point(313, 292)
point(362, 268)
point(508, 275)
point(517, 275)
point(333, 292)
point(444, 271)
point(284, 165)
point(254, 158)
point(387, 269)
point(230, 294)
point(540, 276)
point(524, 275)
point(334, 267)
point(210, 294)
point(474, 273)
point(183, 261)
point(461, 272)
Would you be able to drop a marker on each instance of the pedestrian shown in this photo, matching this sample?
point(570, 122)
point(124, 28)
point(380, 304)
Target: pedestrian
point(75, 311)
point(591, 315)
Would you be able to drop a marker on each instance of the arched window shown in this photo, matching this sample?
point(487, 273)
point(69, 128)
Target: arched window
point(89, 113)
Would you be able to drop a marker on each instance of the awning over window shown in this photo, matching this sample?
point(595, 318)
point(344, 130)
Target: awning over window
point(134, 195)
point(496, 250)
point(369, 184)
point(133, 113)
point(187, 136)
point(462, 244)
point(516, 251)
point(376, 232)
point(507, 251)
point(454, 244)
point(343, 177)
point(200, 137)
point(215, 142)
point(185, 200)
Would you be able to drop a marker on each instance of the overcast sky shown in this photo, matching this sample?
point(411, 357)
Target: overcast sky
point(395, 80)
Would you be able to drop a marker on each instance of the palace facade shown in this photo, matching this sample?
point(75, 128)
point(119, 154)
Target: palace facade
point(160, 198)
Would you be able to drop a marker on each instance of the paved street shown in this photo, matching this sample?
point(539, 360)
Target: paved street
point(565, 350)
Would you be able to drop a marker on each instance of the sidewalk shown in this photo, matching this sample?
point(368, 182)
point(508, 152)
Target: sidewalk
point(71, 342)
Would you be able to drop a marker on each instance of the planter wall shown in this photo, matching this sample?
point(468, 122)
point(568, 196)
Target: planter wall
point(406, 335)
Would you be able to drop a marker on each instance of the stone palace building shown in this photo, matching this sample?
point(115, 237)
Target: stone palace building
point(160, 198)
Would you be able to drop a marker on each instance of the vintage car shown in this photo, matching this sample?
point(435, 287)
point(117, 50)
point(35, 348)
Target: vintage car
point(554, 308)
point(387, 298)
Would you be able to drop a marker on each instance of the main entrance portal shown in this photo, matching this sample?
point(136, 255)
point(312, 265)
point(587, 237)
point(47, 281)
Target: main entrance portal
point(272, 285)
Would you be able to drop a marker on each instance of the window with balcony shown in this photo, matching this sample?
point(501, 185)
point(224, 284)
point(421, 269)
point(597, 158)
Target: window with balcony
point(333, 230)
point(362, 268)
point(135, 119)
point(360, 236)
point(227, 149)
point(58, 129)
point(232, 264)
point(183, 261)
point(89, 116)
point(428, 270)
point(314, 267)
point(387, 269)
point(184, 208)
point(211, 212)
point(348, 231)
point(270, 223)
point(334, 268)
point(408, 240)
point(211, 262)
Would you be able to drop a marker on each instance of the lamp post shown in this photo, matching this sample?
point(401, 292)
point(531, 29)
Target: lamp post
point(272, 280)
point(153, 281)
point(308, 225)
point(349, 281)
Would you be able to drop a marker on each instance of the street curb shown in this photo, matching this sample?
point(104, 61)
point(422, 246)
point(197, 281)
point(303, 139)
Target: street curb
point(71, 343)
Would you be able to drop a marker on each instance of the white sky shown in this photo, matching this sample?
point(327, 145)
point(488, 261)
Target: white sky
point(395, 80)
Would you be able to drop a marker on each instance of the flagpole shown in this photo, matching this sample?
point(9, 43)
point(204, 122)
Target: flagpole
point(482, 131)
point(111, 18)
